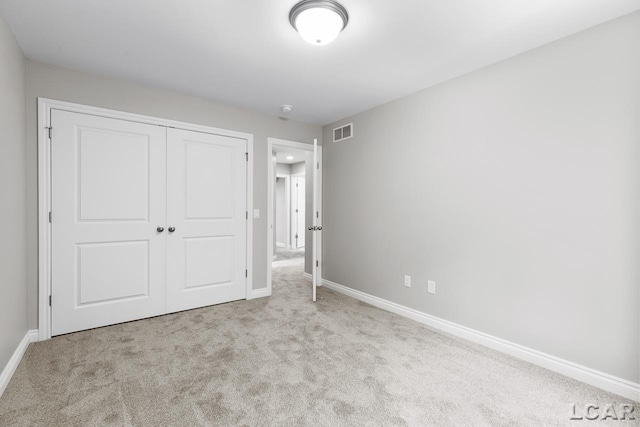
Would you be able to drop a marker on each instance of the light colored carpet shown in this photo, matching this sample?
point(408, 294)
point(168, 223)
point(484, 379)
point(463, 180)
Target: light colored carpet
point(282, 254)
point(284, 361)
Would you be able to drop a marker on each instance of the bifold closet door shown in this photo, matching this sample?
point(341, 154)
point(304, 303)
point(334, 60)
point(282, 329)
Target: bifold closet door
point(206, 219)
point(108, 197)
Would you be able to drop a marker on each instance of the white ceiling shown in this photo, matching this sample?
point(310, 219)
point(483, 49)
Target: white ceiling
point(282, 153)
point(245, 53)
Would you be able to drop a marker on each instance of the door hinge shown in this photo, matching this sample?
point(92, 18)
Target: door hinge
point(49, 300)
point(247, 214)
point(318, 165)
point(247, 154)
point(49, 217)
point(317, 264)
point(49, 130)
point(246, 273)
point(317, 214)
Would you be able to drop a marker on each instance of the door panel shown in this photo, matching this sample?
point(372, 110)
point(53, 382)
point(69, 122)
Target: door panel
point(108, 197)
point(200, 270)
point(316, 227)
point(124, 196)
point(206, 190)
point(99, 281)
point(209, 170)
point(315, 278)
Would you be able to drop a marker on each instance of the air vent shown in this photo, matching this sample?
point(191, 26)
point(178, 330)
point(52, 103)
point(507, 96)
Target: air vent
point(342, 133)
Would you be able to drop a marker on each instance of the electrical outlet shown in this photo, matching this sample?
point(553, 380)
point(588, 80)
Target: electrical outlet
point(407, 281)
point(431, 287)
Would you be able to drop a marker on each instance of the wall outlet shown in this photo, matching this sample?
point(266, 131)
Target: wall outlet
point(431, 287)
point(407, 281)
point(256, 213)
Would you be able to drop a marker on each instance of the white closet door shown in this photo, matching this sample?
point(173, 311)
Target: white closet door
point(108, 198)
point(206, 191)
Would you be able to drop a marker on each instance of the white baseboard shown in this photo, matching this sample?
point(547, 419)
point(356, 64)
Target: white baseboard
point(607, 382)
point(310, 277)
point(12, 365)
point(259, 293)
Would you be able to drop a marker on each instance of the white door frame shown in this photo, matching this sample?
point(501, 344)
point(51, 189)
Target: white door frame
point(44, 190)
point(287, 202)
point(271, 142)
point(293, 212)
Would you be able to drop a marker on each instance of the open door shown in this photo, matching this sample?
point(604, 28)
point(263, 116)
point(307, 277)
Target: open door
point(316, 227)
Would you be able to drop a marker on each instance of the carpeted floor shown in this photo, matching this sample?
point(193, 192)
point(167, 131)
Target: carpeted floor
point(282, 254)
point(284, 361)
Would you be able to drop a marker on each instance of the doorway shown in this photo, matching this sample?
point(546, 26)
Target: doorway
point(291, 237)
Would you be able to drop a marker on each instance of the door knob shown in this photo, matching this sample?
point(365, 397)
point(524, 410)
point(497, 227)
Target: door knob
point(319, 228)
point(172, 229)
point(160, 229)
point(312, 228)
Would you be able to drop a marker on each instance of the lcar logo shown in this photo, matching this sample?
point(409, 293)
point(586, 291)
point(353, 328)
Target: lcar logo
point(621, 412)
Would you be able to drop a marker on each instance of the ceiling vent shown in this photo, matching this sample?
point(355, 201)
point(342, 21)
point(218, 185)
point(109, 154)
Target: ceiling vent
point(342, 133)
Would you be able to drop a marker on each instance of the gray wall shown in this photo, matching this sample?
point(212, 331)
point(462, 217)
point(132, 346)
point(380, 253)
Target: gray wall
point(63, 84)
point(13, 205)
point(283, 169)
point(516, 188)
point(298, 169)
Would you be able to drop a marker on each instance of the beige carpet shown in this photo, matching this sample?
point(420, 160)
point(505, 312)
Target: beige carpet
point(284, 361)
point(282, 253)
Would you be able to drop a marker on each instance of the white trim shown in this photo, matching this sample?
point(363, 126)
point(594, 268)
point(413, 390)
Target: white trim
point(293, 230)
point(599, 379)
point(138, 118)
point(250, 217)
point(259, 293)
point(270, 173)
point(14, 361)
point(44, 190)
point(44, 227)
point(287, 201)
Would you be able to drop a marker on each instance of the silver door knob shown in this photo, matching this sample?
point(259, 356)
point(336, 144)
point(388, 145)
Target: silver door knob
point(319, 228)
point(160, 229)
point(172, 229)
point(310, 228)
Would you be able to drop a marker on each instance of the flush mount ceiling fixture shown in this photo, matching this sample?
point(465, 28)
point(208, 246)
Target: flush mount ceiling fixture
point(318, 21)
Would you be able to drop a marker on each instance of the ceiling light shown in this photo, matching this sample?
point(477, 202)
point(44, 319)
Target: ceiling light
point(286, 108)
point(289, 157)
point(318, 21)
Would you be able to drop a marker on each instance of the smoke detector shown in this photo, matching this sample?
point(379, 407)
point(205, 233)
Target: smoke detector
point(286, 108)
